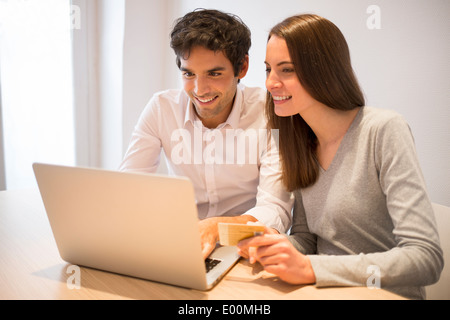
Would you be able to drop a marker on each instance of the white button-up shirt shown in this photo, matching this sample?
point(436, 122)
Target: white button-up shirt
point(233, 168)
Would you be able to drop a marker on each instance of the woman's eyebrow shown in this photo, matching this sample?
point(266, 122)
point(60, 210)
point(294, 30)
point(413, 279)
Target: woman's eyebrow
point(280, 63)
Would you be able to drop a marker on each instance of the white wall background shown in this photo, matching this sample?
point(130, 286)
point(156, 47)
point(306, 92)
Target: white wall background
point(36, 121)
point(403, 66)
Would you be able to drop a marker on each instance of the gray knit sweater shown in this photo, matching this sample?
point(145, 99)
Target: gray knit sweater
point(368, 220)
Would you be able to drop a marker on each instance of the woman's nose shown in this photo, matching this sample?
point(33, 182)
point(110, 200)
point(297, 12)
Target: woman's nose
point(272, 81)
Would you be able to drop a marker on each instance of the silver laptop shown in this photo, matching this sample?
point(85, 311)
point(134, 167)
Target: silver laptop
point(140, 225)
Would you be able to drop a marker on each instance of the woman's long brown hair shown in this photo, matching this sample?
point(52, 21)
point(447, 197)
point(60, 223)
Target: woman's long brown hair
point(322, 63)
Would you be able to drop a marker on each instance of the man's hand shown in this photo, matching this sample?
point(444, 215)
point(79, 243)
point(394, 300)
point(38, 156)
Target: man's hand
point(209, 235)
point(209, 231)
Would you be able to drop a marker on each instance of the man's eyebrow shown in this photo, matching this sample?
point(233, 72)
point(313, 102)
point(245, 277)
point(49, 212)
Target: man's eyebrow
point(211, 70)
point(217, 69)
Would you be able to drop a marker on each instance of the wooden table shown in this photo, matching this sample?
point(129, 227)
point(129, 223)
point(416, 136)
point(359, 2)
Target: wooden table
point(31, 268)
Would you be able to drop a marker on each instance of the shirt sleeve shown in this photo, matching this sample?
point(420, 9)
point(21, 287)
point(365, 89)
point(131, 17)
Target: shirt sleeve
point(273, 203)
point(144, 151)
point(417, 258)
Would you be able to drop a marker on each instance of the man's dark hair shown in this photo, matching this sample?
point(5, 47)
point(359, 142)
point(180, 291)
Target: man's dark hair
point(213, 30)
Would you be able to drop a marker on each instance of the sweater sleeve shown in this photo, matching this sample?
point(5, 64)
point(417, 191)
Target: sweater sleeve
point(417, 259)
point(302, 239)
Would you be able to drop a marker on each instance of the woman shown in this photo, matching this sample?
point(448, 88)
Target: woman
point(362, 215)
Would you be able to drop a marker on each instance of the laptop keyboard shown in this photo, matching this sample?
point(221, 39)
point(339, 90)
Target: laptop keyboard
point(211, 263)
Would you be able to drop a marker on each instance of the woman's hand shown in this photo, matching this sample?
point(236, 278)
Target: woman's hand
point(279, 257)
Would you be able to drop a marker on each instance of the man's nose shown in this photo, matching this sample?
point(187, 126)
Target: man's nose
point(201, 86)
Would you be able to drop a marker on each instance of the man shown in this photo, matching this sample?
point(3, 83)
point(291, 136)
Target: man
point(214, 131)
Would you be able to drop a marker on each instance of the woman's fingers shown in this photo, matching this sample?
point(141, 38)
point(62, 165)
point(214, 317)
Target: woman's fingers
point(279, 257)
point(259, 247)
point(258, 241)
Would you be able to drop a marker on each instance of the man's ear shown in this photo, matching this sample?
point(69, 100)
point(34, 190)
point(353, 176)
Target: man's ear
point(244, 68)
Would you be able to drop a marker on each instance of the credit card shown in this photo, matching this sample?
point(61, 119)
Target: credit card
point(231, 233)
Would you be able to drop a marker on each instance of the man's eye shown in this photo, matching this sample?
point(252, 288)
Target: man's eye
point(188, 74)
point(215, 74)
